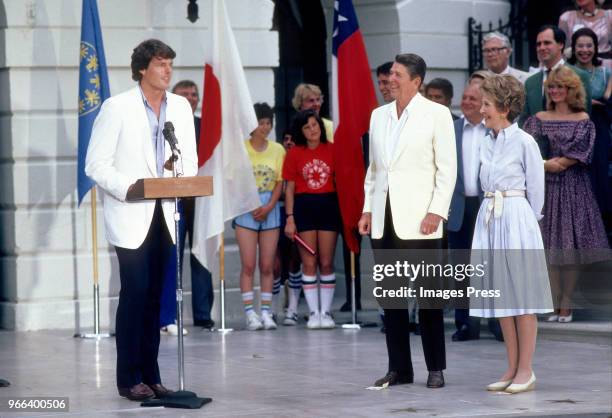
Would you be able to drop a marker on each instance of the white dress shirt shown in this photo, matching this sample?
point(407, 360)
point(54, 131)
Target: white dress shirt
point(545, 71)
point(395, 126)
point(473, 136)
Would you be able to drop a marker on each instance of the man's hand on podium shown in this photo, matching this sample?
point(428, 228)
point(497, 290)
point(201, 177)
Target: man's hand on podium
point(130, 195)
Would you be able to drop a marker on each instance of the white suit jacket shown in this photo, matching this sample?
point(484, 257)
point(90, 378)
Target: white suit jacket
point(420, 175)
point(121, 151)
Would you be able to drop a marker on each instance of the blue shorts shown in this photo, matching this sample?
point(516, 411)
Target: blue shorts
point(272, 221)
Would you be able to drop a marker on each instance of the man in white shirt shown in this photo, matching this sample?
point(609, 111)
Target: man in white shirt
point(496, 51)
point(470, 132)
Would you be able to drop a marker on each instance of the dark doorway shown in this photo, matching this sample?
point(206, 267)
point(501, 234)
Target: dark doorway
point(302, 34)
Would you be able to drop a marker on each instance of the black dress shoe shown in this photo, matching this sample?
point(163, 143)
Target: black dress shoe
point(464, 334)
point(435, 379)
point(499, 336)
point(394, 378)
point(204, 323)
point(414, 328)
point(138, 392)
point(160, 390)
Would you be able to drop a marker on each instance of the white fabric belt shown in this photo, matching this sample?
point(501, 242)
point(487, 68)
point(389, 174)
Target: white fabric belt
point(496, 201)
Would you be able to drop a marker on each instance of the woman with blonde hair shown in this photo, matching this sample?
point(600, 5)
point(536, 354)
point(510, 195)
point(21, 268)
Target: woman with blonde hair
point(309, 97)
point(507, 232)
point(572, 226)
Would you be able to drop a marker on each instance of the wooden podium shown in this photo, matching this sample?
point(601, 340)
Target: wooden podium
point(174, 188)
point(170, 188)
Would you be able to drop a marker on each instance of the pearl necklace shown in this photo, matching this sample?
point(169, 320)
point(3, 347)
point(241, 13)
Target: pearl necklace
point(589, 14)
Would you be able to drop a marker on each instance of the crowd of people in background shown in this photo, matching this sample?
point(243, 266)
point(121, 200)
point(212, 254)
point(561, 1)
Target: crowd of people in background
point(526, 166)
point(567, 109)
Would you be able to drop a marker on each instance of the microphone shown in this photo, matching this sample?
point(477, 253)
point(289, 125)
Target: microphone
point(168, 132)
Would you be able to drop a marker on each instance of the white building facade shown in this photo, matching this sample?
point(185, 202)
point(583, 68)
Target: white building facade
point(45, 239)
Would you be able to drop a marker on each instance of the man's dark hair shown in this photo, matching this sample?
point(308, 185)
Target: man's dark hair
point(263, 111)
point(185, 84)
point(299, 120)
point(145, 52)
point(441, 84)
point(384, 69)
point(415, 65)
point(585, 32)
point(558, 34)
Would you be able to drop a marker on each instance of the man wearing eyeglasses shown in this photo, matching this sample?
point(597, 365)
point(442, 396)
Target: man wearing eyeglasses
point(496, 50)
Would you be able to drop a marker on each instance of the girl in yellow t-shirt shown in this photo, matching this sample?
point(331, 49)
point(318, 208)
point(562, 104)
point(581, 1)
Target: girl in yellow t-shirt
point(261, 227)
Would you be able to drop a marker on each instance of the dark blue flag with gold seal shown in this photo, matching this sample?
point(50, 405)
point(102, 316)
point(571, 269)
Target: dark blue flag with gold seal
point(93, 86)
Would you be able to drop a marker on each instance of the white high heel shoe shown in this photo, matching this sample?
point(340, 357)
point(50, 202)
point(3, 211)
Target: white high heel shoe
point(499, 386)
point(566, 318)
point(522, 387)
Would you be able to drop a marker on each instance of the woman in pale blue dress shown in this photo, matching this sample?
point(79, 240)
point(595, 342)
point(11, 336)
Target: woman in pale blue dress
point(507, 236)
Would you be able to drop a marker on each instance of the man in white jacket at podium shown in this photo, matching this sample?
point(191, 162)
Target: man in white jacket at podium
point(127, 144)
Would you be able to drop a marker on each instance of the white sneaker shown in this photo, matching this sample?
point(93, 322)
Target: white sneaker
point(253, 322)
point(268, 320)
point(291, 318)
point(171, 329)
point(314, 321)
point(327, 321)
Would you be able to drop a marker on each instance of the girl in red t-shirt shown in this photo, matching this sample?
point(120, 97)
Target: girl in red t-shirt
point(312, 210)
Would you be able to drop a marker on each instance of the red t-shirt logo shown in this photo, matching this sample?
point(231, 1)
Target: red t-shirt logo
point(316, 173)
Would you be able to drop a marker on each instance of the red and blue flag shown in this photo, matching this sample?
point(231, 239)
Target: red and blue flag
point(353, 99)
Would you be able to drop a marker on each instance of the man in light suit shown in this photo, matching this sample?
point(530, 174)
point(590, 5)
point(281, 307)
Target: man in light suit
point(496, 51)
point(408, 189)
point(127, 144)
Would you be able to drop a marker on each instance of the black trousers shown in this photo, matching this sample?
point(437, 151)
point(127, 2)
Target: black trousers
point(397, 320)
point(462, 240)
point(141, 274)
point(202, 293)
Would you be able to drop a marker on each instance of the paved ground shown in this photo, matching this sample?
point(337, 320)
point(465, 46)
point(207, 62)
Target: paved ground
point(293, 372)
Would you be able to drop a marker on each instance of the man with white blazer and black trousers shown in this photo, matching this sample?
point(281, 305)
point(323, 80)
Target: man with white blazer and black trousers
point(408, 190)
point(127, 144)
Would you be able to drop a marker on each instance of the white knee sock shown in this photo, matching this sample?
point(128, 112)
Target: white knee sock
point(311, 292)
point(328, 285)
point(276, 288)
point(266, 302)
point(295, 287)
point(247, 300)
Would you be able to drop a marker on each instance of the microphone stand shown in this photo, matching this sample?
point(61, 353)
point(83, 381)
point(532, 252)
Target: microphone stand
point(182, 398)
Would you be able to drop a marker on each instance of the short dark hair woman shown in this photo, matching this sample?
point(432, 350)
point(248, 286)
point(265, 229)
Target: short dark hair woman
point(259, 230)
point(312, 210)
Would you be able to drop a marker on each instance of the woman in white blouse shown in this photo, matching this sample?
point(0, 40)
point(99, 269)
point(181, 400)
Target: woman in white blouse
point(507, 237)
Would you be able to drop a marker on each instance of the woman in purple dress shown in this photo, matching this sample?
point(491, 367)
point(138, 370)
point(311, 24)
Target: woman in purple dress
point(572, 227)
